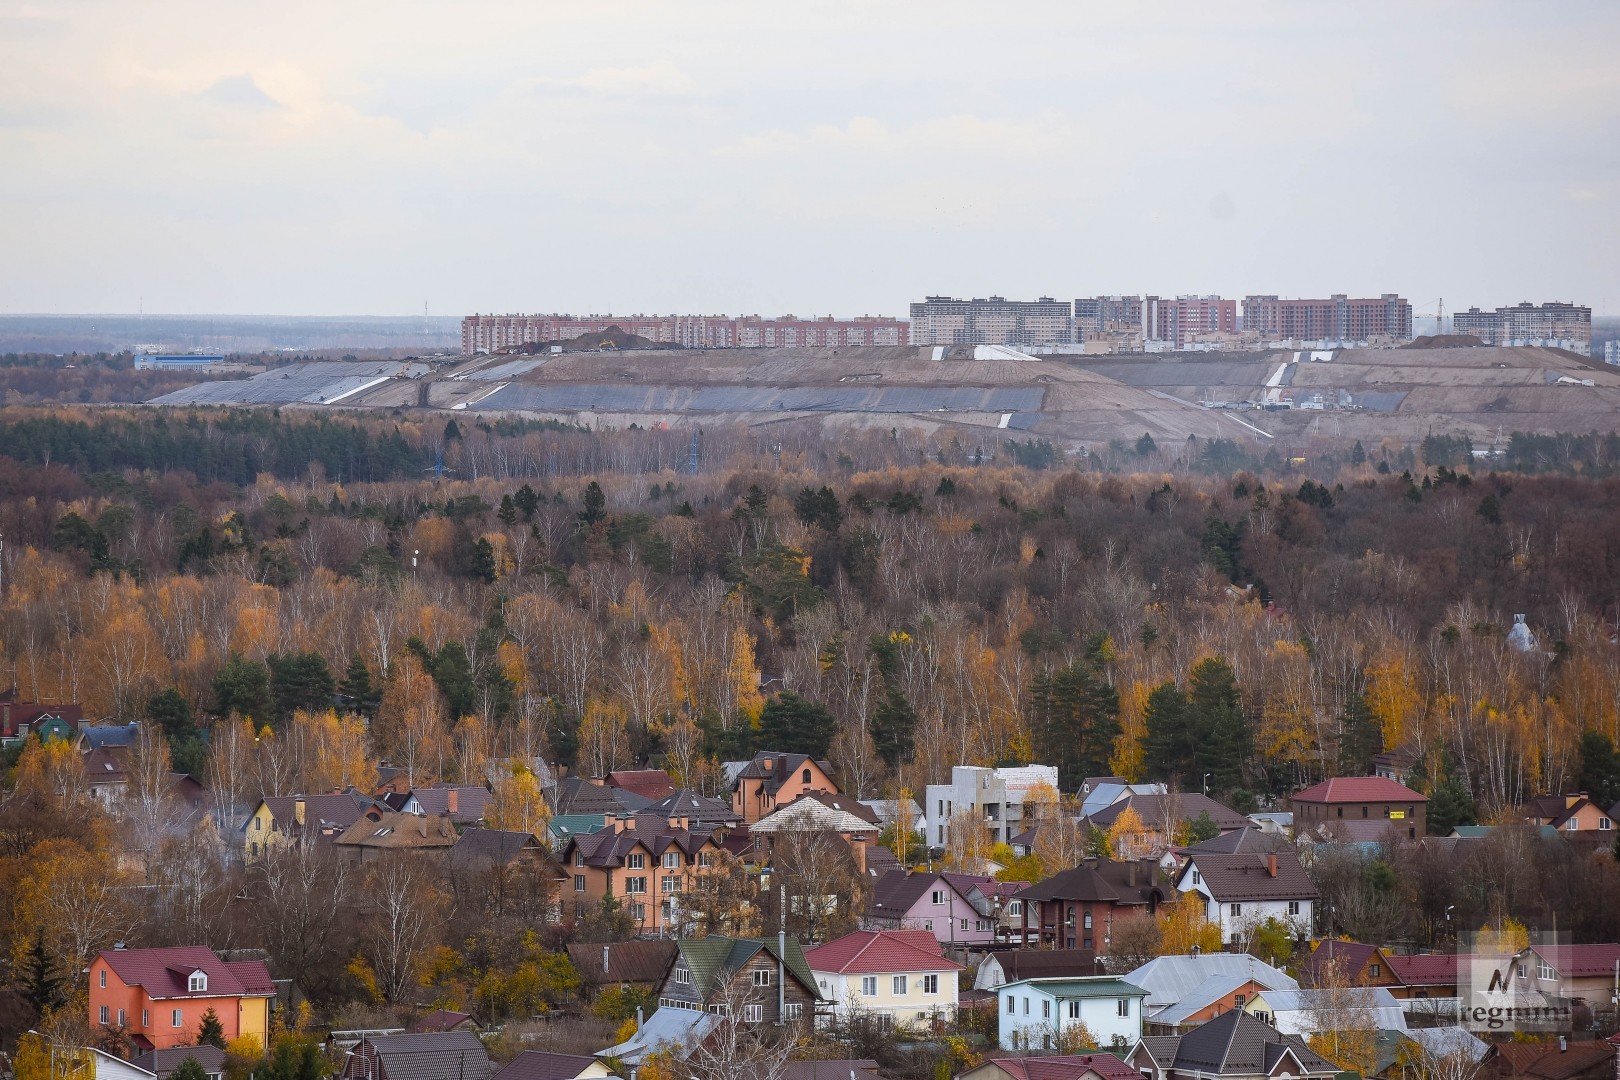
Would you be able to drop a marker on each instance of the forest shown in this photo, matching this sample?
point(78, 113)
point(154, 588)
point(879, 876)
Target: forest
point(289, 600)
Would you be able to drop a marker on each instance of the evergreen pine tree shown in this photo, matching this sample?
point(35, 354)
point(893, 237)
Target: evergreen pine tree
point(794, 725)
point(210, 1032)
point(893, 725)
point(1170, 748)
point(41, 985)
point(357, 686)
point(508, 512)
point(190, 1068)
point(1217, 716)
point(1075, 718)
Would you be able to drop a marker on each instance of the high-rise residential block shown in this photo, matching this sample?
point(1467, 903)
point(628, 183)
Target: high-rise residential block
point(945, 320)
point(488, 333)
point(1337, 318)
point(1566, 326)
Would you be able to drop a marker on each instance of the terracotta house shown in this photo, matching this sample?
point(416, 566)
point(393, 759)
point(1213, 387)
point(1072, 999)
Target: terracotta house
point(774, 779)
point(1350, 962)
point(646, 862)
point(158, 996)
point(1571, 814)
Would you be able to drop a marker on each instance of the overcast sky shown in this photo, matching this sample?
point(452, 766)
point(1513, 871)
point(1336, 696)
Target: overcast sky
point(356, 157)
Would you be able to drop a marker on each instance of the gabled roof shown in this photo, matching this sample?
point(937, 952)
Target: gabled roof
point(1298, 1011)
point(648, 783)
point(1351, 956)
point(677, 1032)
point(494, 847)
point(870, 952)
point(1065, 1067)
point(1427, 969)
point(576, 795)
point(1445, 1041)
point(1091, 986)
point(607, 849)
point(1019, 964)
point(1249, 877)
point(161, 1063)
point(1582, 803)
point(1358, 789)
point(1110, 790)
point(563, 826)
point(1580, 961)
point(897, 891)
point(627, 961)
point(1207, 993)
point(1235, 1043)
point(697, 808)
point(1241, 842)
point(471, 801)
point(432, 1056)
point(166, 973)
point(399, 831)
point(1158, 810)
point(808, 812)
point(544, 1065)
point(835, 801)
point(1082, 883)
point(107, 765)
point(713, 960)
point(1168, 978)
point(92, 736)
point(782, 769)
point(329, 814)
point(1546, 1061)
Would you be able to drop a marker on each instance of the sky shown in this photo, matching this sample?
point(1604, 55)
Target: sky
point(763, 157)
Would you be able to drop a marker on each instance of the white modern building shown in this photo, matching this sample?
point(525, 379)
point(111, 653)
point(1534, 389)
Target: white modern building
point(996, 796)
point(1037, 1013)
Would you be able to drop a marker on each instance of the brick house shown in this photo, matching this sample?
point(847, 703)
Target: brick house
point(157, 997)
point(774, 779)
point(645, 861)
point(1075, 909)
point(1360, 798)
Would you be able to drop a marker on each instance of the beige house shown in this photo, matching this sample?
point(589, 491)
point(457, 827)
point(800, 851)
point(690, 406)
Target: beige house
point(899, 977)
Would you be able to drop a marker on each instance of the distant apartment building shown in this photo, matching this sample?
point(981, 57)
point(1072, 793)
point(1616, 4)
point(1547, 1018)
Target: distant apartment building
point(995, 796)
point(489, 333)
point(1337, 318)
point(944, 320)
point(1554, 324)
point(1095, 315)
point(1180, 320)
point(1611, 351)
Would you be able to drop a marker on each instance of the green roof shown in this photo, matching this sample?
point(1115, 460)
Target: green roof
point(566, 825)
point(714, 959)
point(1095, 987)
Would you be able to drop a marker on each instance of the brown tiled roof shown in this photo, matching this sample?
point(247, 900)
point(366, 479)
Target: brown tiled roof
point(1428, 969)
point(627, 961)
point(1235, 1043)
point(1248, 877)
point(1546, 1061)
point(471, 801)
point(1352, 955)
point(1019, 964)
point(783, 766)
point(648, 783)
point(163, 1063)
point(543, 1065)
point(575, 795)
point(607, 849)
point(396, 831)
point(1156, 810)
point(1065, 1067)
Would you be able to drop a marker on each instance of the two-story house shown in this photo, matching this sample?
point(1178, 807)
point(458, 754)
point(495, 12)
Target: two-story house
point(1164, 816)
point(375, 836)
point(1572, 814)
point(1242, 891)
point(897, 977)
point(458, 1054)
point(647, 863)
point(158, 997)
point(934, 902)
point(1376, 800)
point(994, 796)
point(1346, 963)
point(774, 779)
point(1568, 972)
point(1075, 909)
point(1233, 1046)
point(278, 821)
point(1039, 1013)
point(763, 980)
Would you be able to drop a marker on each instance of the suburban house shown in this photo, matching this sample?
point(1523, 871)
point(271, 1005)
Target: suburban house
point(1571, 971)
point(994, 796)
point(1347, 963)
point(1242, 891)
point(897, 977)
point(1165, 817)
point(774, 779)
point(577, 795)
point(1075, 909)
point(20, 719)
point(1245, 841)
point(1570, 814)
point(162, 1063)
point(637, 965)
point(1560, 1060)
point(1169, 979)
point(458, 1054)
point(668, 1034)
point(1233, 1046)
point(1303, 1012)
point(648, 783)
point(700, 811)
point(281, 820)
point(1371, 799)
point(768, 980)
point(1426, 975)
point(1012, 965)
point(158, 996)
point(1098, 1066)
point(106, 773)
point(544, 1065)
point(929, 901)
point(487, 850)
point(463, 804)
point(376, 835)
point(811, 813)
point(645, 861)
point(1037, 1013)
point(99, 1065)
point(443, 1020)
point(1209, 999)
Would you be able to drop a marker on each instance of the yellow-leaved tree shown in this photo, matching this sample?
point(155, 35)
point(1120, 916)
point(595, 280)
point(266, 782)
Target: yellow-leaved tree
point(517, 804)
point(1128, 837)
point(1183, 926)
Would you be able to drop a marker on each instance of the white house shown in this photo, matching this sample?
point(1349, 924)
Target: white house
point(996, 796)
point(1036, 1013)
point(899, 977)
point(1242, 891)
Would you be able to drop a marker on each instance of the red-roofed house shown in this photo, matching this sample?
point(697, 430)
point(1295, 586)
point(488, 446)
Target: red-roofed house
point(653, 784)
point(158, 996)
point(1058, 1067)
point(1573, 971)
point(899, 977)
point(1427, 975)
point(1359, 798)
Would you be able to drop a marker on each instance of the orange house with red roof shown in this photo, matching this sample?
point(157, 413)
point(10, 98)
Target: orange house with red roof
point(158, 997)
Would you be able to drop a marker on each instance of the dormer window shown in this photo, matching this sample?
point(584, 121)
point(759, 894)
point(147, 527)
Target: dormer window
point(198, 983)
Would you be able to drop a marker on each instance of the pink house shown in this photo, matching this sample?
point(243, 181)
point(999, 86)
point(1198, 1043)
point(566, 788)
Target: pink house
point(938, 903)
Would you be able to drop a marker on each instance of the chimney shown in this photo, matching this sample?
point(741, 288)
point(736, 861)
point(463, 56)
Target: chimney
point(857, 848)
point(610, 821)
point(1130, 873)
point(604, 959)
point(298, 809)
point(1271, 863)
point(765, 764)
point(454, 799)
point(629, 822)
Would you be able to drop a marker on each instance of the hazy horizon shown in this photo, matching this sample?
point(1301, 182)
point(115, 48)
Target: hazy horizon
point(840, 158)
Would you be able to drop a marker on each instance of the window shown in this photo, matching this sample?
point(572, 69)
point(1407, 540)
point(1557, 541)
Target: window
point(1237, 909)
point(258, 824)
point(1015, 907)
point(1374, 970)
point(938, 897)
point(1026, 1006)
point(1074, 1010)
point(104, 978)
point(1086, 922)
point(120, 1017)
point(683, 976)
point(197, 983)
point(1544, 971)
point(1293, 909)
point(1196, 880)
point(1340, 809)
point(705, 858)
point(805, 776)
point(792, 1010)
point(636, 861)
point(1573, 826)
point(579, 882)
point(763, 976)
point(579, 857)
point(897, 986)
point(175, 1020)
point(146, 1018)
point(930, 984)
point(964, 924)
point(1237, 1001)
point(104, 1014)
point(1604, 824)
point(1046, 1009)
point(1124, 1007)
point(635, 885)
point(1009, 1003)
point(1364, 811)
point(638, 912)
point(671, 883)
point(672, 859)
point(869, 987)
point(928, 924)
point(753, 1014)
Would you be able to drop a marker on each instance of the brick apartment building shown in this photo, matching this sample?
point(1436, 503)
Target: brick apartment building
point(488, 333)
point(1337, 318)
point(995, 320)
point(1555, 323)
point(1180, 320)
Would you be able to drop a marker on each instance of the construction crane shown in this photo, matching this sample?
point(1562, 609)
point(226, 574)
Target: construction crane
point(1438, 315)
